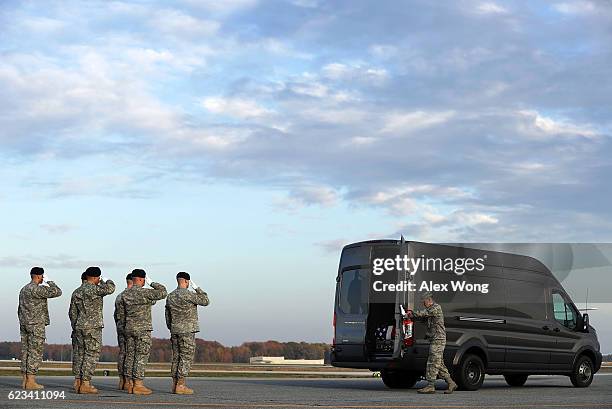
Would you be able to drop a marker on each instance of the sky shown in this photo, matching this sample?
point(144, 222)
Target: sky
point(246, 141)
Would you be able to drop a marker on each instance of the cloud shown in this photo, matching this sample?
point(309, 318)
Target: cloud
point(235, 107)
point(58, 228)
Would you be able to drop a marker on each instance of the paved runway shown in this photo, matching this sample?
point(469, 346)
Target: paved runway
point(247, 393)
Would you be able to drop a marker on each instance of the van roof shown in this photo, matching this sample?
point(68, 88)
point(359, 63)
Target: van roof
point(510, 260)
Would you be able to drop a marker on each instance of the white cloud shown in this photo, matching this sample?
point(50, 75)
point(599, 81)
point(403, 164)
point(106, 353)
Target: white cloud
point(404, 122)
point(547, 126)
point(235, 107)
point(490, 8)
point(575, 7)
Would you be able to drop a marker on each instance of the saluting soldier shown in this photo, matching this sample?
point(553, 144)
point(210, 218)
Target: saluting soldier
point(33, 313)
point(89, 324)
point(182, 321)
point(72, 314)
point(137, 303)
point(436, 333)
point(120, 324)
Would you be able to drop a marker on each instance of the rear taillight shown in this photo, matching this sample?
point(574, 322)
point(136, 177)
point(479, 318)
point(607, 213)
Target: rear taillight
point(334, 324)
point(408, 339)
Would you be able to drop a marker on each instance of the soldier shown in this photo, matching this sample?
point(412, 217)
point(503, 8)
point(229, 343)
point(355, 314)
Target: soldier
point(182, 321)
point(436, 333)
point(137, 303)
point(33, 315)
point(120, 324)
point(72, 314)
point(89, 324)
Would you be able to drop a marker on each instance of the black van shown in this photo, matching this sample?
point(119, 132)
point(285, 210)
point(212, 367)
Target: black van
point(525, 324)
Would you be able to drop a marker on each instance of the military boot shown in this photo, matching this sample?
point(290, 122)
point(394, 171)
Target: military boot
point(129, 385)
point(87, 388)
point(31, 383)
point(430, 388)
point(181, 388)
point(77, 384)
point(452, 386)
point(121, 383)
point(140, 389)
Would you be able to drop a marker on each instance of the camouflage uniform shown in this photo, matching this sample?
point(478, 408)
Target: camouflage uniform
point(72, 314)
point(182, 321)
point(120, 324)
point(436, 333)
point(137, 302)
point(89, 324)
point(33, 315)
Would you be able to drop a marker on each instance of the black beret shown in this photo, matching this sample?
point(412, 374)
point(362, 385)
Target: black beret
point(184, 275)
point(139, 272)
point(93, 272)
point(37, 270)
point(128, 277)
point(83, 277)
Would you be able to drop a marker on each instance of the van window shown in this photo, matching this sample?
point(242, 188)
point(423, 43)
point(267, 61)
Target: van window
point(564, 312)
point(353, 297)
point(525, 299)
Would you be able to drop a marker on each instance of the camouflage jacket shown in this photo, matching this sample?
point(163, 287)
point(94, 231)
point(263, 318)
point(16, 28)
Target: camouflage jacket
point(435, 322)
point(137, 302)
point(72, 311)
point(33, 308)
point(182, 310)
point(89, 304)
point(119, 314)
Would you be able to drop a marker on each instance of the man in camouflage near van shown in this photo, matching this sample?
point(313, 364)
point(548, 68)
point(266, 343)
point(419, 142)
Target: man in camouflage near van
point(120, 325)
point(88, 326)
point(137, 303)
point(33, 313)
point(436, 333)
point(182, 321)
point(72, 314)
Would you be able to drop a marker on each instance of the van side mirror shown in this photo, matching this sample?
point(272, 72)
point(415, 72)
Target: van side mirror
point(585, 322)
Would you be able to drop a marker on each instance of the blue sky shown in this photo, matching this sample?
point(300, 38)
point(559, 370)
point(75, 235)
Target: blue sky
point(245, 141)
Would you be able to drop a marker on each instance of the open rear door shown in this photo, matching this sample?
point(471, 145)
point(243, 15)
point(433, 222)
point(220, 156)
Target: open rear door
point(405, 299)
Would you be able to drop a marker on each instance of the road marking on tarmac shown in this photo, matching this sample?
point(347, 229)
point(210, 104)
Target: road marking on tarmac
point(348, 406)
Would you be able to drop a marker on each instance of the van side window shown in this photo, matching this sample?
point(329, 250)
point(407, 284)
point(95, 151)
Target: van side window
point(353, 297)
point(564, 312)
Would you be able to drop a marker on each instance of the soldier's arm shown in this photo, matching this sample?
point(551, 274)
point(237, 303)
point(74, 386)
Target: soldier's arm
point(168, 317)
point(43, 291)
point(72, 313)
point(119, 314)
point(157, 292)
point(200, 297)
point(420, 314)
point(105, 288)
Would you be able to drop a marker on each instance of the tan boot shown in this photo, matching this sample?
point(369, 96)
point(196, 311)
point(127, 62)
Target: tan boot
point(121, 383)
point(181, 388)
point(140, 389)
point(76, 384)
point(173, 385)
point(87, 388)
point(23, 381)
point(452, 386)
point(129, 385)
point(31, 383)
point(430, 388)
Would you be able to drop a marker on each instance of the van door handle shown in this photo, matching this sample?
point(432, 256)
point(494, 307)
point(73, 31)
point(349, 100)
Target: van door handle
point(545, 328)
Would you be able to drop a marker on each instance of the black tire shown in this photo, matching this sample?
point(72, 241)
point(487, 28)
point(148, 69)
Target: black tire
point(396, 379)
point(470, 374)
point(516, 379)
point(583, 372)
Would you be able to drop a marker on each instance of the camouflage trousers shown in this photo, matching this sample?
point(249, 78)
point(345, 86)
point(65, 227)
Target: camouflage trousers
point(75, 353)
point(121, 340)
point(88, 346)
point(32, 346)
point(183, 351)
point(435, 362)
point(137, 350)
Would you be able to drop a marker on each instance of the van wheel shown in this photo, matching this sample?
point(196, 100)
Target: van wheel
point(396, 379)
point(516, 380)
point(470, 373)
point(582, 375)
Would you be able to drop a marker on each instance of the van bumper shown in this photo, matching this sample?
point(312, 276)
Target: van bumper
point(414, 359)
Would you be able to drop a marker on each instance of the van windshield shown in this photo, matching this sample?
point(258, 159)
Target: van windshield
point(353, 297)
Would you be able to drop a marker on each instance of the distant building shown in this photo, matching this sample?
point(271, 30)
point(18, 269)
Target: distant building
point(280, 360)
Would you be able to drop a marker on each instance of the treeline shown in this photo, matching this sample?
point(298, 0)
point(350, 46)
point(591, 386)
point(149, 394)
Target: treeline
point(206, 351)
point(607, 358)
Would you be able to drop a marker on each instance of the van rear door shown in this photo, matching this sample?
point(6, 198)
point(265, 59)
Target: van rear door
point(351, 308)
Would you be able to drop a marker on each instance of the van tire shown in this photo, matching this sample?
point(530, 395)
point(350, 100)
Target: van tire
point(516, 379)
point(395, 379)
point(470, 373)
point(582, 374)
